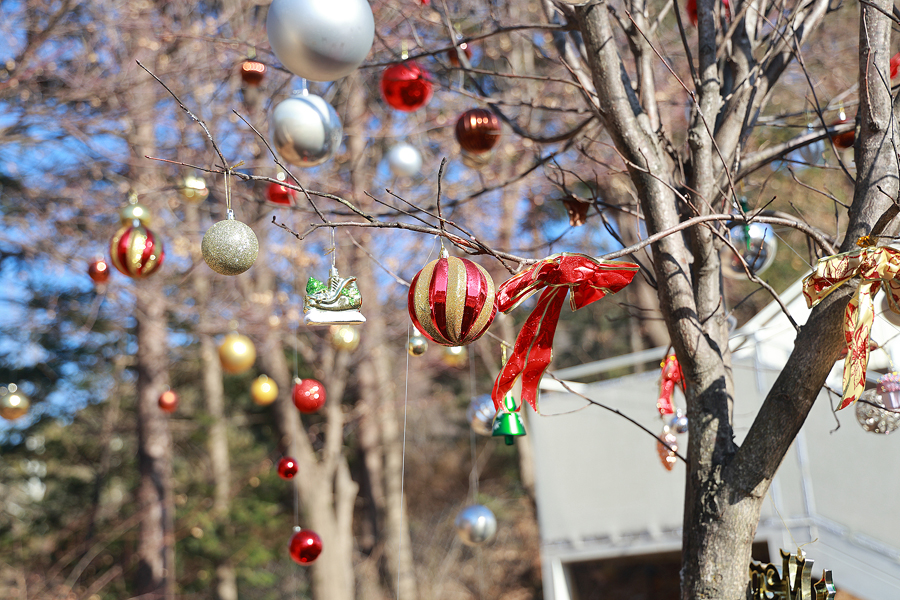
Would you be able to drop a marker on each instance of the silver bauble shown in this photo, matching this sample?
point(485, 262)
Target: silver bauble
point(481, 413)
point(404, 160)
point(417, 345)
point(875, 418)
point(320, 41)
point(679, 422)
point(306, 131)
point(759, 254)
point(229, 247)
point(475, 525)
point(812, 153)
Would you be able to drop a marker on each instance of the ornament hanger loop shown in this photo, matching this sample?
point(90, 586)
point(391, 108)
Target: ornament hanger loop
point(333, 248)
point(404, 50)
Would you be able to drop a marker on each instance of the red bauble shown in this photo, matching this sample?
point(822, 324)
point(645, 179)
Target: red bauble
point(305, 546)
point(452, 301)
point(280, 195)
point(406, 86)
point(844, 140)
point(287, 467)
point(252, 72)
point(478, 130)
point(308, 395)
point(135, 251)
point(98, 271)
point(168, 401)
point(691, 8)
point(453, 54)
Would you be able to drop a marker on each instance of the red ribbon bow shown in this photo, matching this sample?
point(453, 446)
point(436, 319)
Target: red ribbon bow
point(589, 280)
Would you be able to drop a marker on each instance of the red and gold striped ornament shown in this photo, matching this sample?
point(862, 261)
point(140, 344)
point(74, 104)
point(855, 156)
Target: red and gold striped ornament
point(452, 301)
point(135, 251)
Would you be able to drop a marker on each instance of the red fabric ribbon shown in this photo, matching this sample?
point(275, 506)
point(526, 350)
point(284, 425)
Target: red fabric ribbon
point(589, 280)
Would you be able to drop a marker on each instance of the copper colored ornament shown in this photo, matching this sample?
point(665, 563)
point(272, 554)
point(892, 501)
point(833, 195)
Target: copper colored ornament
point(453, 54)
point(844, 140)
point(577, 210)
point(135, 251)
point(667, 454)
point(478, 130)
point(263, 390)
point(237, 353)
point(451, 301)
point(308, 395)
point(305, 546)
point(287, 467)
point(406, 87)
point(280, 195)
point(98, 271)
point(252, 72)
point(13, 403)
point(168, 401)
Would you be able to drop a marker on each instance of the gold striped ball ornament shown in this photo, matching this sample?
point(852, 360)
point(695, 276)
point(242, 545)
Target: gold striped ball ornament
point(452, 301)
point(135, 251)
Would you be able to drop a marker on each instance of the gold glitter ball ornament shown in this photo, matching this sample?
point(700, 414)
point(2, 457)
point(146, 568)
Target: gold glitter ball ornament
point(237, 353)
point(229, 247)
point(13, 403)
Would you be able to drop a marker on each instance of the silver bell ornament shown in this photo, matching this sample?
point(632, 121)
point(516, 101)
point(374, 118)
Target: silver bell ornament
point(229, 247)
point(306, 130)
point(404, 160)
point(679, 422)
point(757, 246)
point(872, 416)
point(480, 414)
point(321, 41)
point(475, 525)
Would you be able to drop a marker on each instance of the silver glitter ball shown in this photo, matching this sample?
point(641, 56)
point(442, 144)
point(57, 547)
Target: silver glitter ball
point(306, 131)
point(475, 525)
point(875, 419)
point(229, 247)
point(321, 41)
point(758, 253)
point(404, 160)
point(679, 422)
point(480, 414)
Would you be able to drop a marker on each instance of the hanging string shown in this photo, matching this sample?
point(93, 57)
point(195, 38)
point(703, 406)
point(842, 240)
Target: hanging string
point(333, 249)
point(402, 460)
point(473, 475)
point(227, 191)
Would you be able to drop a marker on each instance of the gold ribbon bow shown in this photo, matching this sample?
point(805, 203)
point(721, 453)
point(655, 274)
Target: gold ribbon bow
point(875, 266)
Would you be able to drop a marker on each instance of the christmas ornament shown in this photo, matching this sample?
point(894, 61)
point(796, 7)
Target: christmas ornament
point(478, 130)
point(404, 160)
point(320, 41)
point(691, 9)
point(194, 189)
point(588, 279)
point(874, 266)
point(306, 545)
point(669, 377)
point(344, 337)
point(336, 303)
point(417, 344)
point(577, 211)
point(895, 65)
point(889, 389)
point(757, 247)
point(451, 301)
point(168, 401)
point(98, 271)
point(236, 353)
point(453, 54)
point(794, 581)
point(872, 416)
point(135, 251)
point(406, 86)
point(844, 140)
point(252, 72)
point(475, 525)
point(306, 131)
point(287, 467)
point(508, 422)
point(133, 211)
point(13, 403)
point(679, 422)
point(812, 152)
point(308, 395)
point(263, 390)
point(455, 356)
point(229, 247)
point(480, 414)
point(667, 447)
point(279, 194)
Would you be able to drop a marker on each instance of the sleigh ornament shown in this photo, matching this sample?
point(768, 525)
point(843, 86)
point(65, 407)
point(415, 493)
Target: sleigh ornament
point(335, 302)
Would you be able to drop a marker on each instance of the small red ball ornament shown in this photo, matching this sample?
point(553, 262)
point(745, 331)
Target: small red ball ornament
point(252, 72)
point(135, 251)
point(287, 468)
point(691, 8)
point(478, 130)
point(168, 401)
point(98, 271)
point(452, 301)
point(280, 195)
point(308, 395)
point(305, 546)
point(453, 54)
point(844, 140)
point(406, 86)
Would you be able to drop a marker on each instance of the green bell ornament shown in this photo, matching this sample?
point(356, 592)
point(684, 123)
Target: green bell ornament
point(508, 422)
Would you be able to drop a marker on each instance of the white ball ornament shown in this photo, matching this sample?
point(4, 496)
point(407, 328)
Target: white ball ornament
point(229, 247)
point(321, 40)
point(306, 130)
point(404, 160)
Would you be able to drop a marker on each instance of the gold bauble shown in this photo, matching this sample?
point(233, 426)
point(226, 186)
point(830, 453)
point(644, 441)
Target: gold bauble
point(134, 212)
point(263, 390)
point(417, 345)
point(455, 356)
point(344, 337)
point(237, 353)
point(194, 189)
point(13, 403)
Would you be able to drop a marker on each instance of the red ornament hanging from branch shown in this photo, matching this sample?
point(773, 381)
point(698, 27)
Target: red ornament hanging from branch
point(168, 401)
point(406, 87)
point(305, 546)
point(98, 271)
point(478, 130)
point(252, 72)
point(844, 140)
point(308, 395)
point(280, 195)
point(287, 467)
point(453, 54)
